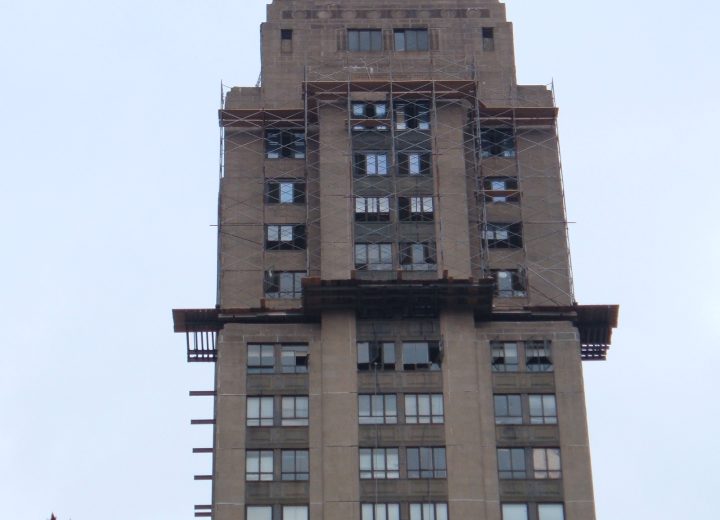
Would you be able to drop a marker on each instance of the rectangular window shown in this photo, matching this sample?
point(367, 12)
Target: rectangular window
point(421, 355)
point(368, 110)
point(372, 209)
point(501, 189)
point(497, 141)
point(364, 40)
point(537, 356)
point(511, 463)
point(285, 143)
point(259, 465)
point(504, 356)
point(424, 409)
point(284, 237)
point(488, 39)
point(509, 283)
point(258, 513)
point(415, 209)
point(371, 163)
point(501, 235)
point(260, 359)
point(546, 463)
point(514, 512)
point(413, 115)
point(294, 359)
point(543, 409)
point(428, 511)
point(551, 512)
point(414, 163)
point(411, 40)
point(376, 355)
point(380, 511)
point(294, 512)
point(426, 463)
point(259, 411)
point(508, 409)
point(373, 257)
point(285, 192)
point(377, 408)
point(294, 411)
point(284, 284)
point(379, 463)
point(417, 256)
point(295, 465)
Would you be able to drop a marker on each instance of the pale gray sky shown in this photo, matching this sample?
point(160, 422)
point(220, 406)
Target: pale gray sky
point(108, 163)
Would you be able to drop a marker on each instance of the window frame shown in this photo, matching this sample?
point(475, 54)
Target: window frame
point(540, 350)
point(420, 402)
point(389, 469)
point(276, 192)
point(297, 415)
point(546, 463)
point(299, 470)
point(261, 367)
point(502, 403)
point(503, 235)
point(428, 510)
point(377, 350)
point(512, 464)
point(300, 351)
point(371, 164)
point(251, 512)
point(406, 163)
point(515, 287)
point(410, 252)
point(285, 143)
point(412, 115)
point(276, 284)
point(303, 510)
point(371, 250)
point(381, 409)
point(259, 459)
point(404, 39)
point(380, 511)
point(285, 237)
point(426, 462)
point(372, 209)
point(433, 363)
point(262, 419)
point(548, 412)
point(498, 141)
point(499, 362)
point(354, 40)
point(416, 208)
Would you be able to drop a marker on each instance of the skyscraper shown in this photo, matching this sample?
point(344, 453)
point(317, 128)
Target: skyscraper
point(395, 335)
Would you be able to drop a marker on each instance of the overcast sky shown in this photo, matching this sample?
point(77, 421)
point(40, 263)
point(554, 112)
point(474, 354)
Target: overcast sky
point(109, 167)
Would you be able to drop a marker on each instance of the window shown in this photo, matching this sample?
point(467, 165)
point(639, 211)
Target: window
point(551, 512)
point(259, 513)
point(424, 409)
point(367, 110)
point(379, 463)
point(428, 511)
point(259, 465)
point(488, 39)
point(417, 256)
point(286, 34)
point(426, 463)
point(294, 411)
point(284, 237)
point(514, 512)
point(501, 189)
point(411, 40)
point(543, 409)
point(508, 409)
point(376, 355)
point(509, 283)
point(504, 356)
point(285, 143)
point(412, 115)
point(364, 40)
point(373, 257)
point(546, 463)
point(295, 465)
point(372, 163)
point(285, 192)
point(294, 359)
point(295, 513)
point(511, 463)
point(286, 41)
point(283, 284)
point(260, 359)
point(497, 141)
point(377, 408)
point(500, 235)
point(380, 511)
point(416, 209)
point(372, 209)
point(421, 355)
point(414, 163)
point(259, 411)
point(537, 356)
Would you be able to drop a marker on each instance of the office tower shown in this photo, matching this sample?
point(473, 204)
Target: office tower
point(396, 335)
